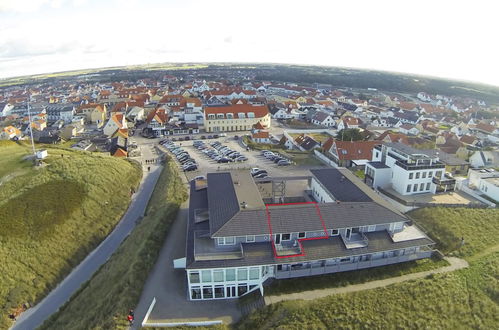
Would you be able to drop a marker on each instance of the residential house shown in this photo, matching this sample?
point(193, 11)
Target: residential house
point(347, 122)
point(488, 159)
point(486, 181)
point(238, 117)
point(116, 122)
point(94, 113)
point(261, 137)
point(322, 118)
point(135, 114)
point(236, 240)
point(60, 112)
point(9, 133)
point(408, 129)
point(350, 153)
point(156, 121)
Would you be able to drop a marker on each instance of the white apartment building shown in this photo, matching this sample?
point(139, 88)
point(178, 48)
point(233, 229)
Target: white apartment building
point(407, 170)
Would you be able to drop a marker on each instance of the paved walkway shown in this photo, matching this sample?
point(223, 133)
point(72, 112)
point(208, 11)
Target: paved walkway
point(169, 287)
point(35, 316)
point(455, 264)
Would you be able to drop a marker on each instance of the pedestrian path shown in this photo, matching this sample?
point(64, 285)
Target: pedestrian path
point(455, 264)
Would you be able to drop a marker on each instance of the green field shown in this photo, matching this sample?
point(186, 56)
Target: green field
point(52, 216)
point(11, 160)
point(464, 299)
point(103, 302)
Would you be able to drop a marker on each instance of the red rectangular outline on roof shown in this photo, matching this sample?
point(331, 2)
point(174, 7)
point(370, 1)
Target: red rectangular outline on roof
point(299, 239)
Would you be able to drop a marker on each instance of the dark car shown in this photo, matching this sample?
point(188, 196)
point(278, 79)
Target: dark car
point(190, 168)
point(224, 160)
point(259, 173)
point(203, 137)
point(216, 136)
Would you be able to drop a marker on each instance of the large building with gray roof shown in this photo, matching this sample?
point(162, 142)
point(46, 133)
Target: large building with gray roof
point(238, 238)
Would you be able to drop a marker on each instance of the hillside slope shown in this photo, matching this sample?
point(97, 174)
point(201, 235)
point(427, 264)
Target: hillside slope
point(52, 216)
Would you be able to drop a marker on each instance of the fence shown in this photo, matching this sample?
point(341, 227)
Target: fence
point(324, 159)
point(419, 204)
point(462, 186)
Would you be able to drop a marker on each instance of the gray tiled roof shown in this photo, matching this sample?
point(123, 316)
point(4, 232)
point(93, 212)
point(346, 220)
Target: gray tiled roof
point(333, 247)
point(222, 200)
point(339, 186)
point(304, 217)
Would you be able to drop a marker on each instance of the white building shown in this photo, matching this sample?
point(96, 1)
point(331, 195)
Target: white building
point(486, 181)
point(407, 170)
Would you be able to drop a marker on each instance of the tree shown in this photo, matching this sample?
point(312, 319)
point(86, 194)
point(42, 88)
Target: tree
point(349, 134)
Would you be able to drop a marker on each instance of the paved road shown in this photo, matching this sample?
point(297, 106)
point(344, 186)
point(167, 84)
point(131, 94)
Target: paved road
point(169, 286)
point(455, 264)
point(35, 316)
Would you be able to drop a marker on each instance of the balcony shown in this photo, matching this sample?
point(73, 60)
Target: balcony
point(288, 248)
point(420, 165)
point(446, 180)
point(205, 249)
point(356, 240)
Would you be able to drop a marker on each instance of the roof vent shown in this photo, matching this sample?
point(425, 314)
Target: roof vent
point(342, 178)
point(244, 205)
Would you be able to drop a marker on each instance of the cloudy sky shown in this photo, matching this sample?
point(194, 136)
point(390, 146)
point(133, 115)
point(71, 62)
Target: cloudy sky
point(454, 39)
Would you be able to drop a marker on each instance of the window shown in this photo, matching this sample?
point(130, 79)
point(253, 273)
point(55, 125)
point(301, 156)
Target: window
point(226, 241)
point(411, 176)
point(218, 276)
point(230, 274)
point(254, 273)
point(219, 291)
point(196, 293)
point(207, 292)
point(301, 235)
point(423, 175)
point(194, 277)
point(371, 228)
point(220, 116)
point(428, 186)
point(334, 232)
point(206, 276)
point(408, 188)
point(415, 188)
point(438, 174)
point(242, 274)
point(286, 237)
point(230, 116)
point(421, 187)
point(250, 238)
point(417, 175)
point(251, 115)
point(211, 116)
point(242, 289)
point(430, 174)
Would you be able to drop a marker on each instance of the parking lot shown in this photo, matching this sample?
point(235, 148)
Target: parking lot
point(205, 164)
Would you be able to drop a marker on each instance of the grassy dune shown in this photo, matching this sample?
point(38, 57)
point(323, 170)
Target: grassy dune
point(52, 216)
point(103, 302)
point(464, 299)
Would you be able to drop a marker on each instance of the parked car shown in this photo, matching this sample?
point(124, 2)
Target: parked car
point(283, 162)
point(224, 160)
point(190, 168)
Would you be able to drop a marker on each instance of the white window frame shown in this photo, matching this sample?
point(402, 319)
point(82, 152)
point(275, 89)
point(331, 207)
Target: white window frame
point(223, 240)
point(371, 228)
point(250, 238)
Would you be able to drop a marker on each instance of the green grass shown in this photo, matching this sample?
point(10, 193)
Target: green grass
point(478, 227)
point(463, 299)
point(103, 302)
point(360, 174)
point(319, 137)
point(335, 280)
point(52, 216)
point(11, 160)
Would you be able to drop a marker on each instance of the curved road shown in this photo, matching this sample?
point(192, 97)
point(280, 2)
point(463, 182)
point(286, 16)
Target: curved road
point(35, 316)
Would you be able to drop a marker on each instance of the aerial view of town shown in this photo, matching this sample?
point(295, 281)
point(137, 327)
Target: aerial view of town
point(240, 195)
